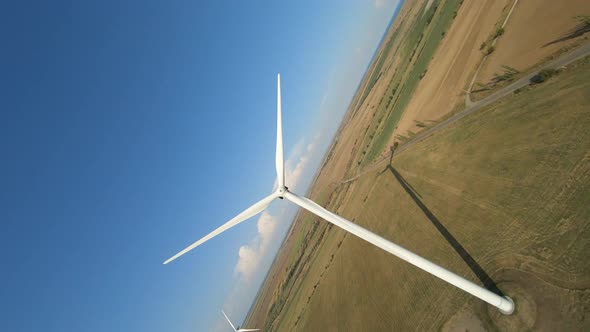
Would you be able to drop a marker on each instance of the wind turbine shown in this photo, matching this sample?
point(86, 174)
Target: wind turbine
point(504, 303)
point(238, 329)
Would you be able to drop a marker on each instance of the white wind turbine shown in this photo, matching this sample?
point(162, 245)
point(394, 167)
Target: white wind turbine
point(238, 329)
point(504, 303)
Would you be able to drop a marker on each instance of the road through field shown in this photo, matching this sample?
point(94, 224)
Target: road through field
point(468, 101)
point(563, 60)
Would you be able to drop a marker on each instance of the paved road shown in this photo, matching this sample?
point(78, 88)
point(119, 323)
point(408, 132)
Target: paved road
point(563, 60)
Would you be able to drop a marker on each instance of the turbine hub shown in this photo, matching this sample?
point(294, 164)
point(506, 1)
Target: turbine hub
point(281, 191)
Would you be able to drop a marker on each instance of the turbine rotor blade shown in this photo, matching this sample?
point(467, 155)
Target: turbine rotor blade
point(246, 214)
point(248, 330)
point(229, 321)
point(502, 303)
point(279, 155)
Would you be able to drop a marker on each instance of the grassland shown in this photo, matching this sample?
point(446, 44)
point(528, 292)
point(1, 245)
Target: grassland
point(510, 183)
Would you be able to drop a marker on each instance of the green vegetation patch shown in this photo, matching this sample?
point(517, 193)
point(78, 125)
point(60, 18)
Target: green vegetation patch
point(379, 66)
point(419, 48)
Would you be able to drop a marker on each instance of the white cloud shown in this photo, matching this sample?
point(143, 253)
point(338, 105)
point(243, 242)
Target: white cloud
point(298, 164)
point(379, 3)
point(251, 254)
point(247, 261)
point(266, 227)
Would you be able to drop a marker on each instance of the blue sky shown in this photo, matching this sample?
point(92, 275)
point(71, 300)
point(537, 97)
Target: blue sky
point(131, 129)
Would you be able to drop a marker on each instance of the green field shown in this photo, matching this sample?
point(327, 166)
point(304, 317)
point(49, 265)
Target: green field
point(510, 184)
point(416, 52)
point(377, 69)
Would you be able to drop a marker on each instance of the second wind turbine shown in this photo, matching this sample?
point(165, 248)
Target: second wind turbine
point(503, 303)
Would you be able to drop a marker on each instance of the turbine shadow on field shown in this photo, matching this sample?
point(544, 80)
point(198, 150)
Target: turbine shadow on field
point(467, 258)
point(575, 32)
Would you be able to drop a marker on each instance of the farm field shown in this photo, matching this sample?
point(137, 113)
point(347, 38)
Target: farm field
point(392, 78)
point(518, 49)
point(535, 31)
point(442, 90)
point(498, 197)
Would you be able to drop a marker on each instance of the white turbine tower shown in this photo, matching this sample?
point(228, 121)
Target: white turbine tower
point(504, 303)
point(238, 329)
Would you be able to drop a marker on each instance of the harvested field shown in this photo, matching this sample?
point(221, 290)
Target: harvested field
point(536, 30)
point(392, 78)
point(452, 66)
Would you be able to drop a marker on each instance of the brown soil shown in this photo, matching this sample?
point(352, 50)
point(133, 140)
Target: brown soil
point(349, 139)
point(533, 33)
point(453, 65)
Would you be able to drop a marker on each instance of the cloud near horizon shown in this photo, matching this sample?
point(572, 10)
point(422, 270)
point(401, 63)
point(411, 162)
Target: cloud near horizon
point(379, 3)
point(250, 255)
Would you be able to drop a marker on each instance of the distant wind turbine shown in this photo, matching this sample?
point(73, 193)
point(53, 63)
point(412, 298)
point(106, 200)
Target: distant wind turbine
point(504, 303)
point(237, 329)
